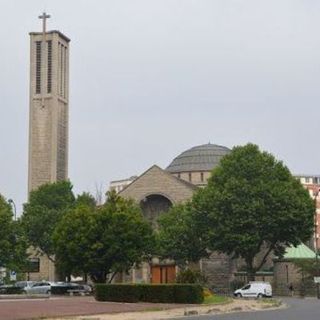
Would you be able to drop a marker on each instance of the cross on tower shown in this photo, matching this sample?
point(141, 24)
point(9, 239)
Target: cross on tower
point(44, 18)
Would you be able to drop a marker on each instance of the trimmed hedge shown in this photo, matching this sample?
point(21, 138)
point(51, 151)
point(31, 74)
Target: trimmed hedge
point(160, 293)
point(10, 290)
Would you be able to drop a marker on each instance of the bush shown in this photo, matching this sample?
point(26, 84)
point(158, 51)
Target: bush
point(10, 290)
point(117, 292)
point(162, 293)
point(191, 276)
point(157, 293)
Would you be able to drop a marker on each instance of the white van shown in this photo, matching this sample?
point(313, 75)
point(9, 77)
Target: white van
point(255, 289)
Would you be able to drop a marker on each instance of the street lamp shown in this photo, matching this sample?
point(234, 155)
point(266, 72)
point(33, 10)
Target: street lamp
point(316, 194)
point(14, 207)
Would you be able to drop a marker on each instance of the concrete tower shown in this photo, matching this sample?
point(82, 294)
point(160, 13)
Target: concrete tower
point(49, 104)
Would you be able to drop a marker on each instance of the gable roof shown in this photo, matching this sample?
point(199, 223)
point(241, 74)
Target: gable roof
point(158, 181)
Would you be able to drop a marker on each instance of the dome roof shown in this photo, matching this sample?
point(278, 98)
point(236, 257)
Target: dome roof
point(199, 158)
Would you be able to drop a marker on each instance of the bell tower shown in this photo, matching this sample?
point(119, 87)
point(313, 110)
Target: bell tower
point(49, 106)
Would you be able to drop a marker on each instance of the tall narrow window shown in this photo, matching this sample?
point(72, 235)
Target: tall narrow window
point(61, 69)
point(201, 177)
point(49, 74)
point(65, 72)
point(190, 177)
point(38, 67)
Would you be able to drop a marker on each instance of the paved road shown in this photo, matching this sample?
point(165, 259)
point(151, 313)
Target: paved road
point(69, 306)
point(298, 309)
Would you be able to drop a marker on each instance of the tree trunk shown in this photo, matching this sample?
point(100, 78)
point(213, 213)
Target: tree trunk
point(99, 277)
point(113, 275)
point(251, 272)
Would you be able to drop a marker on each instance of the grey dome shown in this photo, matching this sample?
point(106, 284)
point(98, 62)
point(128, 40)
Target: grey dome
point(199, 158)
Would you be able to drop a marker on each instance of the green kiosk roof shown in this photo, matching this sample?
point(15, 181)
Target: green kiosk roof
point(299, 252)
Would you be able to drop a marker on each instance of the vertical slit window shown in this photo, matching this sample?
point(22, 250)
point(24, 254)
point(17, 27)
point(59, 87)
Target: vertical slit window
point(38, 67)
point(49, 74)
point(64, 72)
point(61, 72)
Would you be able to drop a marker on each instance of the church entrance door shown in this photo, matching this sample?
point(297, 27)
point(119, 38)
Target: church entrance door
point(163, 274)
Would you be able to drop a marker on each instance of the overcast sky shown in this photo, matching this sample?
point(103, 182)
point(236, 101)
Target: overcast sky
point(152, 78)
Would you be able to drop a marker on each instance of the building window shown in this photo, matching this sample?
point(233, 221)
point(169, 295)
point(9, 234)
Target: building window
point(64, 72)
point(60, 69)
point(307, 180)
point(179, 175)
point(49, 80)
point(33, 265)
point(190, 177)
point(38, 67)
point(201, 177)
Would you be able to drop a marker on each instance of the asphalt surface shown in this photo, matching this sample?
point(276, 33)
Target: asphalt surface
point(298, 309)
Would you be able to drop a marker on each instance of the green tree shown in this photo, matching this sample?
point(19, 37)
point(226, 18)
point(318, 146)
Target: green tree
point(252, 204)
point(308, 267)
point(46, 207)
point(86, 199)
point(74, 239)
point(104, 241)
point(178, 238)
point(12, 242)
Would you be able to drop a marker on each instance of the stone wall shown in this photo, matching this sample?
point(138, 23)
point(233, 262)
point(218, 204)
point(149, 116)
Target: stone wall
point(219, 269)
point(286, 274)
point(157, 181)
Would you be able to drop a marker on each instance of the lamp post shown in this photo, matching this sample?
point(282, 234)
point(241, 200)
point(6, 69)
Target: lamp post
point(316, 194)
point(14, 208)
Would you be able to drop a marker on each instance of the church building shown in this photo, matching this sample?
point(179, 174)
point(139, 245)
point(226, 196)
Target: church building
point(156, 190)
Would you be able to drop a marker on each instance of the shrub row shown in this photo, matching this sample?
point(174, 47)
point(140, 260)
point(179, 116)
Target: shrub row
point(161, 293)
point(10, 290)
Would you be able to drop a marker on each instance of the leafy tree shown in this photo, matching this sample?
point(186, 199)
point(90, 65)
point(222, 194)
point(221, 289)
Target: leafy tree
point(86, 199)
point(104, 241)
point(178, 237)
point(46, 207)
point(308, 267)
point(12, 243)
point(252, 204)
point(75, 239)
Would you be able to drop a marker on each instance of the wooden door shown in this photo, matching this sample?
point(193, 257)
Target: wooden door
point(163, 274)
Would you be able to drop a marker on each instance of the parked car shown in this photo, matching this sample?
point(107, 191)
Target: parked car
point(43, 287)
point(4, 288)
point(24, 284)
point(254, 289)
point(70, 288)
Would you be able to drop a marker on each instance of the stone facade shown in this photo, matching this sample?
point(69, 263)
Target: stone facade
point(156, 181)
point(46, 270)
point(48, 122)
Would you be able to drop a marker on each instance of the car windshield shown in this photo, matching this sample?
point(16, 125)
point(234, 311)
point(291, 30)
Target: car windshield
point(246, 287)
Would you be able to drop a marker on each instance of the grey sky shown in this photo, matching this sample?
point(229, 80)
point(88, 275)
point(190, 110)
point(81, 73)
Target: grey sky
point(151, 78)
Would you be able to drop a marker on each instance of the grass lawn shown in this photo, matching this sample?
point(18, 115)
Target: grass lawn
point(214, 299)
